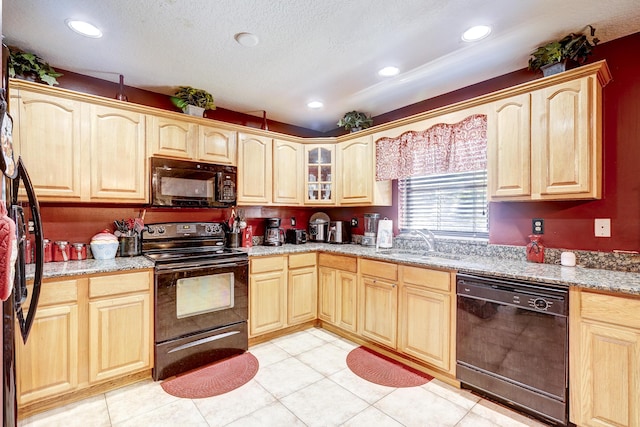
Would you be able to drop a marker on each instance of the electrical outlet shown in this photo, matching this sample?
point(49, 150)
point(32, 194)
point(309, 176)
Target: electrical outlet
point(537, 226)
point(354, 222)
point(293, 221)
point(31, 226)
point(602, 227)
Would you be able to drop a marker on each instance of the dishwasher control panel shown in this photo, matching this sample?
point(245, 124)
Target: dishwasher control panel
point(526, 295)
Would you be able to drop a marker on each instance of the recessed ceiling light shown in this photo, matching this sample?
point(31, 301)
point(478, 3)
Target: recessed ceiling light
point(476, 33)
point(315, 105)
point(246, 39)
point(389, 71)
point(84, 28)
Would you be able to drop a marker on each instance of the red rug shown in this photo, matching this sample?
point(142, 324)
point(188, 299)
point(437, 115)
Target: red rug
point(214, 379)
point(379, 369)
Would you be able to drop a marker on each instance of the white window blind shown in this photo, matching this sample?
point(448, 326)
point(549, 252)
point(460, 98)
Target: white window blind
point(451, 204)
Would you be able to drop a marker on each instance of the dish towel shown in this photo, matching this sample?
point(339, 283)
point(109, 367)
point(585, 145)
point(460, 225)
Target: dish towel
point(8, 252)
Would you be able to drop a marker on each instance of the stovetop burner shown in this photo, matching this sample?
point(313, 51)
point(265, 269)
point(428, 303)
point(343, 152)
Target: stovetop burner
point(187, 242)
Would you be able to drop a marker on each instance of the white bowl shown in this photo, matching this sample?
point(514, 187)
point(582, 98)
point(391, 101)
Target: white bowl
point(104, 250)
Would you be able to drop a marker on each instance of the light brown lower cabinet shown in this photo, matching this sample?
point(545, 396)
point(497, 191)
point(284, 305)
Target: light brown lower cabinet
point(409, 309)
point(302, 289)
point(337, 288)
point(48, 364)
point(604, 365)
point(119, 325)
point(283, 291)
point(87, 330)
point(379, 310)
point(426, 310)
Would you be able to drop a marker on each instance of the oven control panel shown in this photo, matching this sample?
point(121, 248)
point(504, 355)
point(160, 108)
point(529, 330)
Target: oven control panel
point(178, 230)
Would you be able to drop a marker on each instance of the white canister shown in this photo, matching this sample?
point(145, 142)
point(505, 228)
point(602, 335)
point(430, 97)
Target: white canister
point(384, 238)
point(568, 259)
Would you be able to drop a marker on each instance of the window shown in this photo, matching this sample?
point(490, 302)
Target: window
point(450, 204)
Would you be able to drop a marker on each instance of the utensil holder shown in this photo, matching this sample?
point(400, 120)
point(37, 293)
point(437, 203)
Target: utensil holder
point(233, 240)
point(130, 245)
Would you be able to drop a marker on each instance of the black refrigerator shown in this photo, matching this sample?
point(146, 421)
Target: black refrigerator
point(19, 217)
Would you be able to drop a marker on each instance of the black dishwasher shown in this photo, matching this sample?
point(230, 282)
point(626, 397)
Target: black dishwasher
point(512, 343)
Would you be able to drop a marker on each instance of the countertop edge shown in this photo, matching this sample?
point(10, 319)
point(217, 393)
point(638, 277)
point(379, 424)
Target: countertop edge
point(587, 278)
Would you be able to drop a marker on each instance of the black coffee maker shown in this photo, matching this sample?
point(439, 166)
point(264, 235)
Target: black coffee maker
point(273, 234)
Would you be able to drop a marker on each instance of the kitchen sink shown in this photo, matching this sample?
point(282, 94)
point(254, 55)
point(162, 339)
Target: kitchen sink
point(408, 255)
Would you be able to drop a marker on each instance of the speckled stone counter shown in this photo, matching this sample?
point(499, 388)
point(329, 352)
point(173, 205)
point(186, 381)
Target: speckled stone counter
point(90, 266)
point(591, 278)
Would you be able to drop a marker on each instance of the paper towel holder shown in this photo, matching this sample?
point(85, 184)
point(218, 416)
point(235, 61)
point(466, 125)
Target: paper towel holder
point(384, 238)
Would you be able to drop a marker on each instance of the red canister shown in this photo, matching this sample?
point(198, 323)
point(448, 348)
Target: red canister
point(48, 250)
point(78, 251)
point(61, 251)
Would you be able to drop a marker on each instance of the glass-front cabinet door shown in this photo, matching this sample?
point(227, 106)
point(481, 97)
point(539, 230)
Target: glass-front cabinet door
point(320, 175)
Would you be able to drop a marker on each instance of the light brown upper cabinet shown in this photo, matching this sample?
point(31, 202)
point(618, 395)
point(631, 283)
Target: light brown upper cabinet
point(47, 135)
point(357, 183)
point(546, 144)
point(509, 152)
point(78, 150)
point(185, 138)
point(171, 137)
point(320, 174)
point(117, 156)
point(288, 173)
point(254, 169)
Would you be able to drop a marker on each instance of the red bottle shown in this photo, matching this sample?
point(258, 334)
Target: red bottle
point(247, 240)
point(535, 249)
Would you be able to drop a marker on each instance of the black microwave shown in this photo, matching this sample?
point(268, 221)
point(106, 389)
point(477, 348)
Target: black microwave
point(181, 183)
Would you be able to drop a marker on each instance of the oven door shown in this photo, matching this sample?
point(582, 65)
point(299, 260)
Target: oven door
point(194, 299)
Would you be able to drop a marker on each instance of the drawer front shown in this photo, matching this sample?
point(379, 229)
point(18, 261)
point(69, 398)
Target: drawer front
point(55, 292)
point(338, 262)
point(264, 264)
point(380, 269)
point(434, 279)
point(302, 260)
point(623, 311)
point(116, 284)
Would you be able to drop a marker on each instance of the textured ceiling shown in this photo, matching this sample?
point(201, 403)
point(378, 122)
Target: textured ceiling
point(328, 50)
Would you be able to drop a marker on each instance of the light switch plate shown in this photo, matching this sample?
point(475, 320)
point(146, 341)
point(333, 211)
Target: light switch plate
point(603, 227)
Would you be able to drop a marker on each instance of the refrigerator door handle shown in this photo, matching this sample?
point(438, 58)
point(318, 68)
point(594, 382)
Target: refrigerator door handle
point(26, 323)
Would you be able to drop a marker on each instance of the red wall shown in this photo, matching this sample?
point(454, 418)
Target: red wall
point(571, 224)
point(567, 224)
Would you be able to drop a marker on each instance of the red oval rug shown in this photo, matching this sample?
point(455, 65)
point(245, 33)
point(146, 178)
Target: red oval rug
point(214, 379)
point(379, 369)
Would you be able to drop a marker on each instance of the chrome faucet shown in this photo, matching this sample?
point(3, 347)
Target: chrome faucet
point(428, 237)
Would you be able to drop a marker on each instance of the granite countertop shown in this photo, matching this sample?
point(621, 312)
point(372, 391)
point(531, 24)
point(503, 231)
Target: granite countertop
point(590, 278)
point(90, 266)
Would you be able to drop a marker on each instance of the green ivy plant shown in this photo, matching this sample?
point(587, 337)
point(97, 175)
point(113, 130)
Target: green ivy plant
point(186, 95)
point(573, 46)
point(355, 120)
point(30, 66)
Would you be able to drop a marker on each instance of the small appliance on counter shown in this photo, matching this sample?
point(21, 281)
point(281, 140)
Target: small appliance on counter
point(273, 234)
point(370, 229)
point(295, 236)
point(339, 232)
point(384, 237)
point(318, 227)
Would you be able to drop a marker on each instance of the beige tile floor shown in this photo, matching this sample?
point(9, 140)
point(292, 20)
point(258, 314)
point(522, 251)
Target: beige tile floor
point(303, 380)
